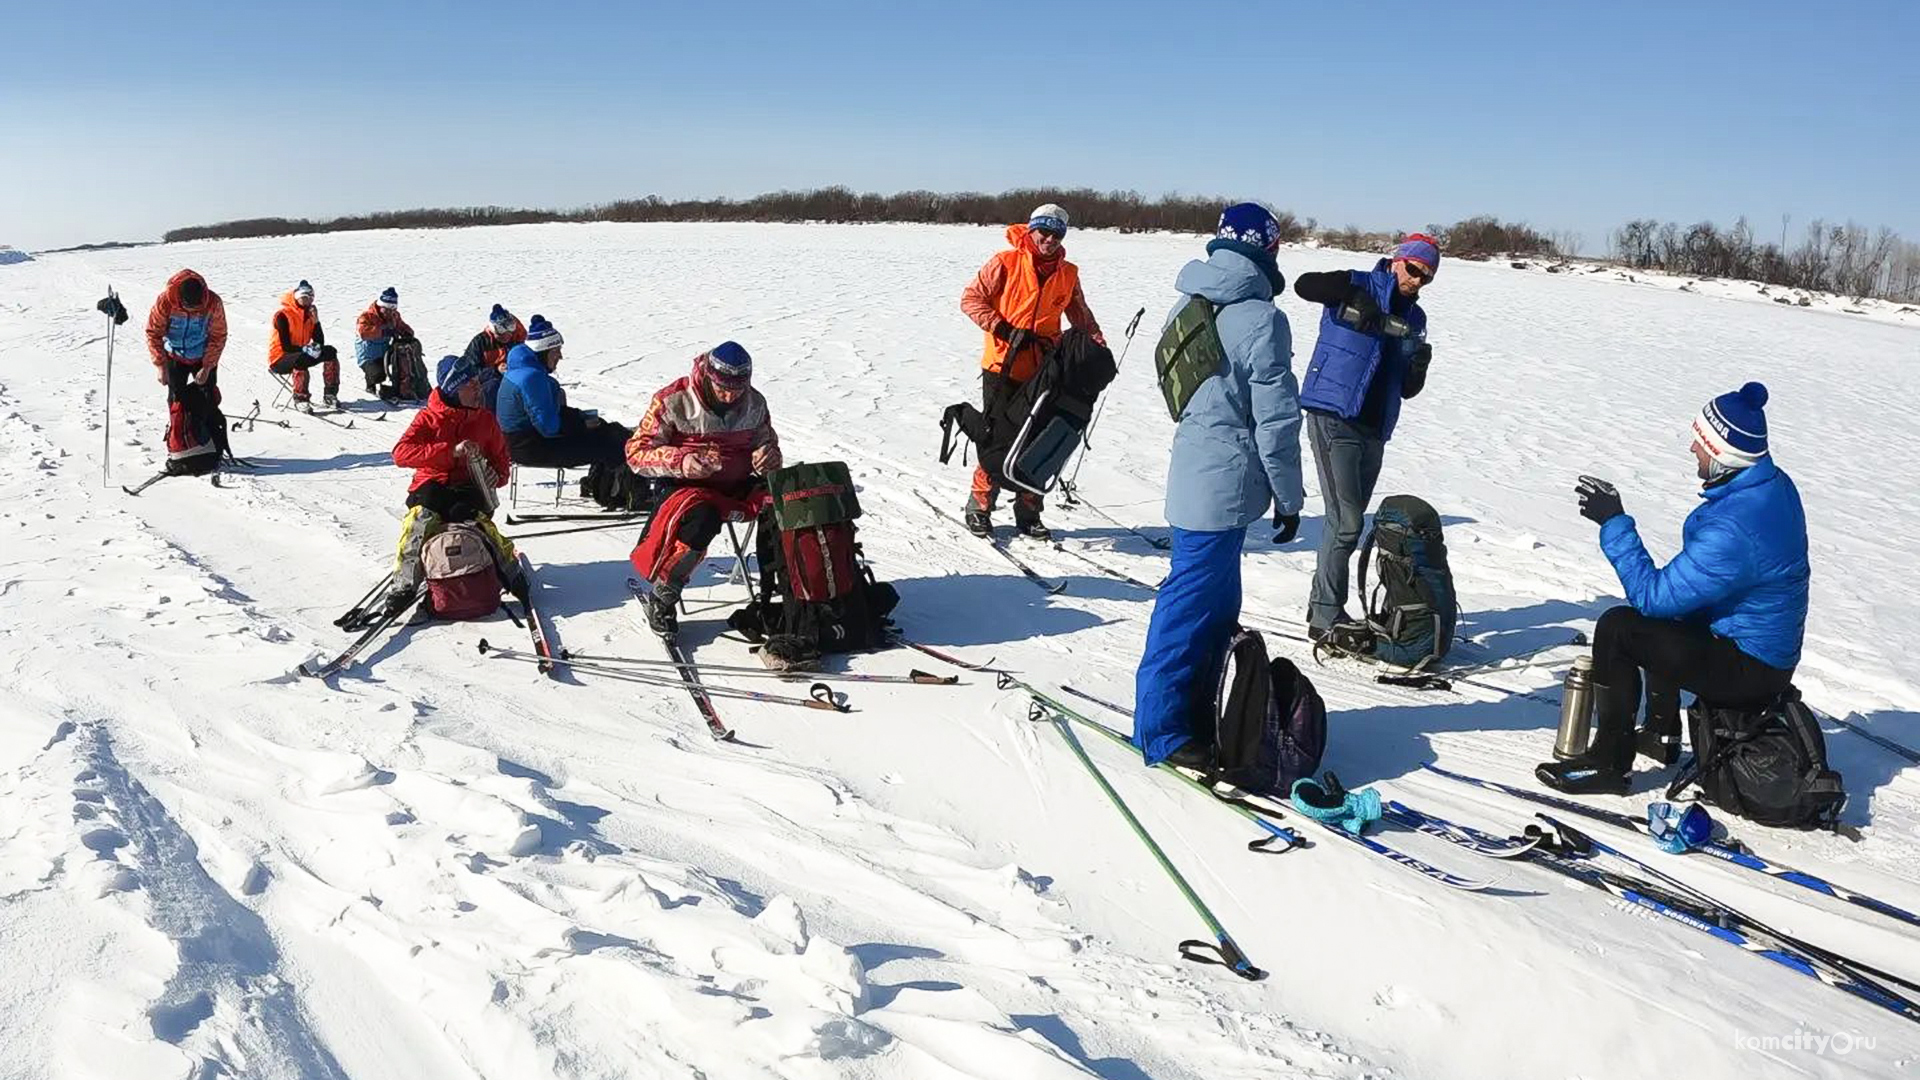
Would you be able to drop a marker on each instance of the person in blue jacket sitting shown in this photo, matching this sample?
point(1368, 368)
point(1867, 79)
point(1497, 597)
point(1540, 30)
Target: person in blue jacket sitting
point(542, 430)
point(1237, 449)
point(1372, 354)
point(1724, 619)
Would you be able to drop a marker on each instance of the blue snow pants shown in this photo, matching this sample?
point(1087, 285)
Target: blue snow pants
point(1193, 616)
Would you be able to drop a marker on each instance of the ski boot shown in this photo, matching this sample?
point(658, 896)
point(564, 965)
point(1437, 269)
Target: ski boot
point(1605, 769)
point(331, 399)
point(980, 523)
point(1032, 528)
point(303, 403)
point(1193, 754)
point(1660, 746)
point(1346, 637)
point(662, 616)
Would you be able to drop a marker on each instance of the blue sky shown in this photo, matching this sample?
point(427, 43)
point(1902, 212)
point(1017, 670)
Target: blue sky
point(121, 120)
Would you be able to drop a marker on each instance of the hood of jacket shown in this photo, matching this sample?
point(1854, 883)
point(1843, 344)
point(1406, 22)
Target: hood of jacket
point(1225, 277)
point(181, 278)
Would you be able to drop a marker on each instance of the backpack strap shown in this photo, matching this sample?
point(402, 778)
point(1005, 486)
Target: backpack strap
point(1366, 557)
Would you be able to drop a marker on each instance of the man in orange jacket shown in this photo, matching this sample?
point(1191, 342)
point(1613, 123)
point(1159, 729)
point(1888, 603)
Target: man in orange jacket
point(1018, 299)
point(297, 343)
point(186, 333)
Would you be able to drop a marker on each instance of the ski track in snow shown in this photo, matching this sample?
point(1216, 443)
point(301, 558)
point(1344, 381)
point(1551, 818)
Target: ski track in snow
point(444, 865)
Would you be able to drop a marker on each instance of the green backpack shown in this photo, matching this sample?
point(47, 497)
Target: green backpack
point(813, 494)
point(1190, 352)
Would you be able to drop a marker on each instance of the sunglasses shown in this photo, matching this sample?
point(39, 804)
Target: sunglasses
point(1418, 272)
point(1054, 233)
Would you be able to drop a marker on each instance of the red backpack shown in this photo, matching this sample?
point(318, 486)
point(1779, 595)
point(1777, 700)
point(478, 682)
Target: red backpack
point(463, 577)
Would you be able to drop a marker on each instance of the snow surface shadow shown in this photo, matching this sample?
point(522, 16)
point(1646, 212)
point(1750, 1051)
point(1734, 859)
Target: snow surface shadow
point(872, 954)
point(336, 463)
point(1867, 767)
point(571, 589)
point(1055, 1030)
point(1386, 742)
point(225, 951)
point(1513, 631)
point(988, 609)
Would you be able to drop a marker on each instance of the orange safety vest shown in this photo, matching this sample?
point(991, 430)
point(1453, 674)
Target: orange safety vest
point(300, 323)
point(1029, 304)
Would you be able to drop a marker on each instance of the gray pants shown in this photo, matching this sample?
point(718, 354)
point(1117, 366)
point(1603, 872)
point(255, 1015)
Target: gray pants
point(1348, 458)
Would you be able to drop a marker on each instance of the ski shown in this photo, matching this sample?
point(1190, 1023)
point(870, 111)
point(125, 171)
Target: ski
point(915, 677)
point(1070, 498)
point(1240, 800)
point(325, 416)
point(1884, 743)
point(355, 616)
point(352, 652)
point(1493, 847)
point(1046, 584)
point(702, 703)
point(1731, 852)
point(147, 483)
point(1111, 572)
point(897, 638)
point(607, 516)
point(541, 646)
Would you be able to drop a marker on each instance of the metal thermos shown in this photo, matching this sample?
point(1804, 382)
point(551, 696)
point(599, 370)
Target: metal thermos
point(1576, 710)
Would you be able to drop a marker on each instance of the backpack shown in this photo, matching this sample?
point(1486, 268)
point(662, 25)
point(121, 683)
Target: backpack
point(1028, 439)
point(1768, 765)
point(1189, 353)
point(406, 370)
point(462, 572)
point(1412, 610)
point(615, 487)
point(196, 432)
point(1269, 724)
point(816, 594)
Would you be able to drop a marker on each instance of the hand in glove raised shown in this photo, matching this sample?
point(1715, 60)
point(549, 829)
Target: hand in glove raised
point(1599, 500)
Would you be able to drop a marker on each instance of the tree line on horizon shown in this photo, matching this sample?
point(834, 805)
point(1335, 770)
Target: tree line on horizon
point(1843, 259)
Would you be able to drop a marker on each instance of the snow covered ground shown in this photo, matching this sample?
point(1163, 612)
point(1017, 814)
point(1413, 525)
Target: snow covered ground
point(448, 866)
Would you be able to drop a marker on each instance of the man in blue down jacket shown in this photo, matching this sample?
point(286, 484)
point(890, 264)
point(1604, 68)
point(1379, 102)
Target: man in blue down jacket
point(1237, 449)
point(542, 430)
point(1724, 619)
point(1372, 354)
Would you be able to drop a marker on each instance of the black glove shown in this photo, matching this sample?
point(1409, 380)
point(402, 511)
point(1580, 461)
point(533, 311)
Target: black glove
point(1285, 527)
point(1599, 500)
point(1361, 312)
point(1015, 337)
point(1422, 356)
point(111, 307)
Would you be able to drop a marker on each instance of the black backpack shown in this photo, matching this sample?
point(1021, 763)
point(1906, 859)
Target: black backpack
point(615, 487)
point(1411, 610)
point(1269, 724)
point(1768, 765)
point(1029, 439)
point(831, 602)
point(407, 369)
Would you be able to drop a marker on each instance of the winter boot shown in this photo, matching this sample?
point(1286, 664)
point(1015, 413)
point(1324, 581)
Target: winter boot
point(330, 397)
point(1605, 769)
point(979, 522)
point(1193, 754)
point(1660, 746)
point(661, 616)
point(303, 402)
point(1032, 528)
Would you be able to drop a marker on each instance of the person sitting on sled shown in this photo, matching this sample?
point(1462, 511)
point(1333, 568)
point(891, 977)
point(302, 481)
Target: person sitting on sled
point(708, 436)
point(436, 447)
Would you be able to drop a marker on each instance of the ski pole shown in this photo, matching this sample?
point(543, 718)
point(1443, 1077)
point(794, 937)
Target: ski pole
point(116, 314)
point(1086, 437)
point(916, 676)
point(595, 527)
point(820, 694)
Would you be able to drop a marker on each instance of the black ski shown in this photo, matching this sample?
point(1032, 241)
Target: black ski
point(147, 483)
point(608, 516)
point(1070, 499)
point(356, 616)
point(1046, 584)
point(352, 652)
point(1111, 572)
point(541, 647)
point(716, 727)
point(326, 416)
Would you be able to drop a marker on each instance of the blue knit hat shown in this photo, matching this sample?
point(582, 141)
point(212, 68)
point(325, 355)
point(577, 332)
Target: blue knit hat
point(1249, 223)
point(389, 297)
point(1733, 427)
point(501, 320)
point(729, 364)
point(541, 335)
point(453, 373)
point(1420, 248)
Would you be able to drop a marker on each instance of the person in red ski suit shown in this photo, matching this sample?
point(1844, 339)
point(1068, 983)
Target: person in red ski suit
point(709, 435)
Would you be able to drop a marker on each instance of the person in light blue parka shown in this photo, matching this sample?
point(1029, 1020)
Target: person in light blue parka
point(1724, 619)
point(1236, 451)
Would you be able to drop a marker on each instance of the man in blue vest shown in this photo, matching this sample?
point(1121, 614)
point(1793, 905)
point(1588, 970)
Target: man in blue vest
point(1724, 619)
point(1371, 355)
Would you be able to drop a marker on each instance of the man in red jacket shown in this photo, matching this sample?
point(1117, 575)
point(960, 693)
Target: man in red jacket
point(435, 447)
point(710, 437)
point(186, 333)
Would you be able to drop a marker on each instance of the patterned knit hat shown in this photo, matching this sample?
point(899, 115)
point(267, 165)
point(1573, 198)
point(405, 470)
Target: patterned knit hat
point(1733, 428)
point(501, 320)
point(1420, 248)
point(389, 298)
point(1048, 216)
point(541, 335)
point(453, 373)
point(303, 291)
point(729, 365)
point(1249, 223)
